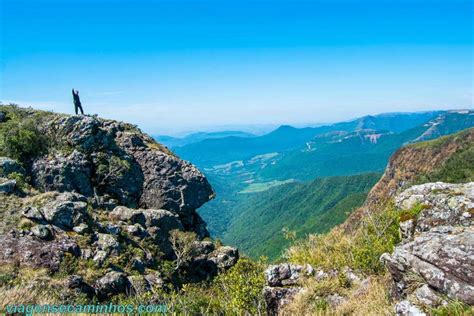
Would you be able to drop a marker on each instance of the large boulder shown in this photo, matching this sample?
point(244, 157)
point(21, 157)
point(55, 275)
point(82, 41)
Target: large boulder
point(285, 274)
point(9, 166)
point(112, 283)
point(7, 186)
point(169, 182)
point(443, 258)
point(66, 210)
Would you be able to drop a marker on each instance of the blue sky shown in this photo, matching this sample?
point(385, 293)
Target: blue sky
point(178, 65)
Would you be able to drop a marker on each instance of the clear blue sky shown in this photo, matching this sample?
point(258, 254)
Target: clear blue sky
point(182, 65)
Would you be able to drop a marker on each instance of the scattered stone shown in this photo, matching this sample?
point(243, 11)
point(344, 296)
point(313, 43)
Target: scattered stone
point(100, 257)
point(86, 253)
point(112, 283)
point(112, 229)
point(138, 284)
point(7, 186)
point(285, 274)
point(138, 264)
point(76, 282)
point(107, 243)
point(81, 228)
point(224, 257)
point(42, 232)
point(154, 280)
point(334, 300)
point(405, 308)
point(19, 249)
point(277, 297)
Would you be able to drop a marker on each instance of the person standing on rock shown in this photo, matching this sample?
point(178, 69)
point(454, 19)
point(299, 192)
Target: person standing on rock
point(77, 101)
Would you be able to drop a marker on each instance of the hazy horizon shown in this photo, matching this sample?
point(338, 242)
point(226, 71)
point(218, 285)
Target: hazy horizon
point(183, 66)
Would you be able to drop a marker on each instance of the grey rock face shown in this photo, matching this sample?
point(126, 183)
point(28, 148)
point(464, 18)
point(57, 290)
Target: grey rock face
point(3, 117)
point(32, 213)
point(282, 285)
point(66, 211)
point(62, 173)
point(9, 166)
point(438, 246)
point(445, 204)
point(117, 160)
point(444, 261)
point(426, 296)
point(148, 222)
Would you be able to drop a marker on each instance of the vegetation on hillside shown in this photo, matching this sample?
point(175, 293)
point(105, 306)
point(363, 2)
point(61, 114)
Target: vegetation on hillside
point(302, 208)
point(20, 138)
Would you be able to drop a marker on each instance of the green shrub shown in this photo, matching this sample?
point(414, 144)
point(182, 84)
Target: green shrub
point(241, 287)
point(237, 291)
point(378, 234)
point(20, 138)
point(21, 180)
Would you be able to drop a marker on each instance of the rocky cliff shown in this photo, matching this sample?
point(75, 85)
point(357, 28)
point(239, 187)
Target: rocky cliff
point(434, 263)
point(101, 206)
point(418, 163)
point(408, 251)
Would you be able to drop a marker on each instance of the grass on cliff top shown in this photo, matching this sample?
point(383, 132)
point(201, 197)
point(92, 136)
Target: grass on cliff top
point(361, 251)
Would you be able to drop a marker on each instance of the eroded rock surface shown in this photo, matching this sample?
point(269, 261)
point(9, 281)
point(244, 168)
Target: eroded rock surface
point(438, 254)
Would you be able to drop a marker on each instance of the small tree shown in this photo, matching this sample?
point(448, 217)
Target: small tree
point(182, 244)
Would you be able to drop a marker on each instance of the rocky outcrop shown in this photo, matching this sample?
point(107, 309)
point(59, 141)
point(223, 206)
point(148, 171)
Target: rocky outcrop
point(436, 257)
point(117, 160)
point(105, 197)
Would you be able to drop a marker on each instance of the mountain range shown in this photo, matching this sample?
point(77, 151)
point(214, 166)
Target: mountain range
point(251, 174)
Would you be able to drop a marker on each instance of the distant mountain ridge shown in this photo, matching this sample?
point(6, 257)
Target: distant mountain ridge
point(209, 152)
point(171, 141)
